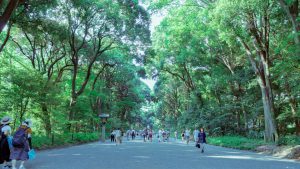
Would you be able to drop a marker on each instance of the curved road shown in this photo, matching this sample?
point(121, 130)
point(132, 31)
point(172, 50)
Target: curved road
point(139, 155)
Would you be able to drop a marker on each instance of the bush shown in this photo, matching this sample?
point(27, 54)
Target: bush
point(43, 142)
point(289, 140)
point(237, 142)
point(255, 134)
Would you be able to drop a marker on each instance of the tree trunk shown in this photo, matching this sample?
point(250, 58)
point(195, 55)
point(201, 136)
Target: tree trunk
point(238, 119)
point(72, 108)
point(12, 5)
point(46, 119)
point(271, 134)
point(245, 118)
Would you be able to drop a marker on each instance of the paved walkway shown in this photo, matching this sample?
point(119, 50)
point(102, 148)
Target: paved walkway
point(139, 155)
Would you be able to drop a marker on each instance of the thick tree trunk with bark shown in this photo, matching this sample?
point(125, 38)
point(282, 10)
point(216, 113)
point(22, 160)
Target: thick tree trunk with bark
point(271, 134)
point(46, 119)
point(5, 16)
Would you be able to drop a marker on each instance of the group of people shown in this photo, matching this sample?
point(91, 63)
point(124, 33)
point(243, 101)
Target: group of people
point(131, 133)
point(116, 136)
point(163, 135)
point(15, 147)
point(147, 134)
point(199, 137)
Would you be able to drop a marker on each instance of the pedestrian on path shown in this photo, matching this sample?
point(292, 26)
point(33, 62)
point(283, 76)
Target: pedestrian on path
point(159, 135)
point(112, 136)
point(202, 139)
point(176, 135)
point(4, 144)
point(195, 134)
point(150, 135)
point(21, 144)
point(187, 135)
point(118, 135)
point(132, 134)
point(182, 136)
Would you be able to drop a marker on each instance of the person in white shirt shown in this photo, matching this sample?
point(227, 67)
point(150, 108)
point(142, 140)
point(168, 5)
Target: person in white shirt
point(187, 135)
point(118, 136)
point(5, 147)
point(159, 135)
point(195, 134)
point(176, 135)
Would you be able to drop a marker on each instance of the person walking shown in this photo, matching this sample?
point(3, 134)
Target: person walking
point(187, 135)
point(195, 134)
point(150, 135)
point(132, 134)
point(112, 136)
point(182, 136)
point(159, 135)
point(202, 139)
point(175, 135)
point(118, 136)
point(4, 145)
point(21, 144)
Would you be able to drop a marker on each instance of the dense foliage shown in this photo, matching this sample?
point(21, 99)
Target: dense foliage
point(65, 62)
point(231, 66)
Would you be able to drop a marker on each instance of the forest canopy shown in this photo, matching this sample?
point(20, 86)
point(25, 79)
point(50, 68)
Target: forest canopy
point(230, 66)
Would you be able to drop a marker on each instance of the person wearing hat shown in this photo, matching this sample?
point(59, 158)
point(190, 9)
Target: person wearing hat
point(21, 153)
point(4, 146)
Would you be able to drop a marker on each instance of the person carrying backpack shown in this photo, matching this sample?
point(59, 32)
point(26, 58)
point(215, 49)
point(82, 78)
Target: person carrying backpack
point(4, 145)
point(21, 144)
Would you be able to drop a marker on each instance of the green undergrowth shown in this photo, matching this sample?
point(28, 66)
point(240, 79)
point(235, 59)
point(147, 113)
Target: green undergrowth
point(245, 143)
point(237, 142)
point(44, 142)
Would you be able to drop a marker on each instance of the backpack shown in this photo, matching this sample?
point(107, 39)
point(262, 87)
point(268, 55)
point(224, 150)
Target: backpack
point(20, 138)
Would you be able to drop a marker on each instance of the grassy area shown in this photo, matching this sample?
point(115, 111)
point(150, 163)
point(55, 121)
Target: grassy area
point(43, 142)
point(237, 142)
point(244, 143)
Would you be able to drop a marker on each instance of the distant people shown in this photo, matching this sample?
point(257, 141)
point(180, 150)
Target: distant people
point(187, 135)
point(144, 134)
point(164, 135)
point(21, 144)
point(176, 135)
point(202, 139)
point(167, 135)
point(159, 135)
point(195, 134)
point(132, 134)
point(112, 136)
point(182, 136)
point(4, 145)
point(150, 135)
point(118, 135)
point(128, 134)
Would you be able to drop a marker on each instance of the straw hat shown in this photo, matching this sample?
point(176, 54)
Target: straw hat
point(6, 120)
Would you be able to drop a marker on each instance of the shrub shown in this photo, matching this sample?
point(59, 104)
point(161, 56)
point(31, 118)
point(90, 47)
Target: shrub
point(237, 142)
point(289, 140)
point(42, 142)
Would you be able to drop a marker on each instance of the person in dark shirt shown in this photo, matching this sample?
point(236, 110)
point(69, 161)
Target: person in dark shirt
point(202, 139)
